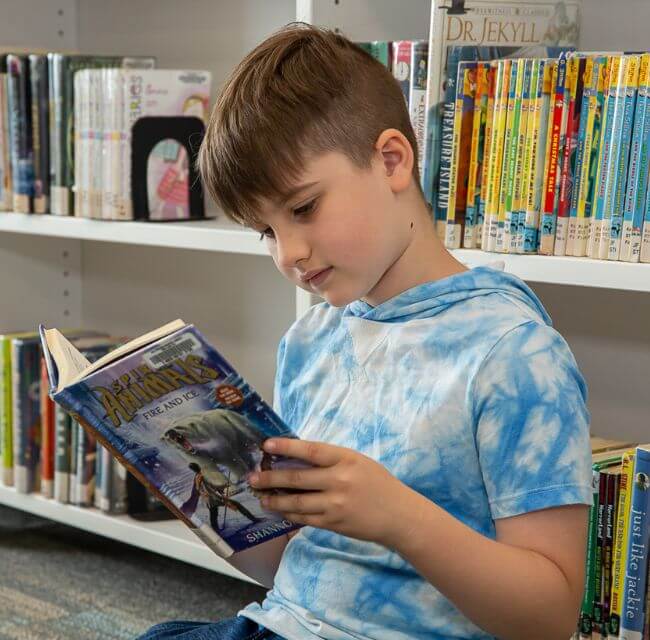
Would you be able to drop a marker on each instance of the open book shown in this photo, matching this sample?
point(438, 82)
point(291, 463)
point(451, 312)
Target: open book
point(183, 421)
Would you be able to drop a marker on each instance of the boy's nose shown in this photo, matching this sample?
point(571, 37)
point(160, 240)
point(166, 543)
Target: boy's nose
point(291, 249)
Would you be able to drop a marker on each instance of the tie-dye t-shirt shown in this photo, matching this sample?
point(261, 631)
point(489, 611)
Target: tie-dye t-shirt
point(462, 390)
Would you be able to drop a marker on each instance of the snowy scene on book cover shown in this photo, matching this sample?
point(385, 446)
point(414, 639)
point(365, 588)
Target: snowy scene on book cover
point(180, 414)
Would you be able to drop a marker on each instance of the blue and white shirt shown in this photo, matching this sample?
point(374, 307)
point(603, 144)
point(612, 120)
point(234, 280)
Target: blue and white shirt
point(462, 390)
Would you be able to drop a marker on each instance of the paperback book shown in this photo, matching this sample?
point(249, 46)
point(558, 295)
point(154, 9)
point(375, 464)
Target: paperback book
point(182, 420)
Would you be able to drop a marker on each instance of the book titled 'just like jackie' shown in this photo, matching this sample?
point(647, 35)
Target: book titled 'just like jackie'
point(173, 411)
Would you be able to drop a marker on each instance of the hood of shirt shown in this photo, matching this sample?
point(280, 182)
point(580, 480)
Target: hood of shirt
point(430, 298)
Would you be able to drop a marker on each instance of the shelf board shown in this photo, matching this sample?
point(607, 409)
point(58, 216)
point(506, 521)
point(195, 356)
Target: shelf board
point(168, 537)
point(204, 235)
point(221, 235)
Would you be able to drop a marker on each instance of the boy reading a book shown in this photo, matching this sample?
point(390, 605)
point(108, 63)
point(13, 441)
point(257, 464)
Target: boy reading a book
point(444, 417)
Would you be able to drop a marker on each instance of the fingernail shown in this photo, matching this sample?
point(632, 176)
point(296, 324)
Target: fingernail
point(253, 478)
point(270, 445)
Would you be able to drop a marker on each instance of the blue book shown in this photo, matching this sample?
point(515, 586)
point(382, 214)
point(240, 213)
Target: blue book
point(181, 419)
point(636, 564)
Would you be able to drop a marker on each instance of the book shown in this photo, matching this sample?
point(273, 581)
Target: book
point(636, 563)
point(516, 28)
point(417, 95)
point(182, 420)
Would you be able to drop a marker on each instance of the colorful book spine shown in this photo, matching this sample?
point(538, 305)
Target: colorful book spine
point(20, 127)
point(637, 182)
point(402, 66)
point(507, 163)
point(573, 95)
point(463, 119)
point(6, 422)
point(491, 222)
point(6, 197)
point(47, 435)
point(523, 148)
point(63, 428)
point(545, 84)
point(621, 541)
point(380, 50)
point(475, 172)
point(600, 555)
point(610, 508)
point(39, 78)
point(26, 415)
point(612, 242)
point(632, 618)
point(418, 94)
point(603, 184)
point(553, 159)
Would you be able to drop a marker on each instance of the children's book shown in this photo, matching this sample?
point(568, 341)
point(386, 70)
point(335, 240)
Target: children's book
point(183, 421)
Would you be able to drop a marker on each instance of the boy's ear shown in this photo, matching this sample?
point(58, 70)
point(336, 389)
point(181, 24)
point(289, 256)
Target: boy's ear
point(397, 156)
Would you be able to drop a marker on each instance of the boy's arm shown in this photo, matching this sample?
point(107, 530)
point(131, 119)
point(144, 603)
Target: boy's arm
point(261, 561)
point(527, 583)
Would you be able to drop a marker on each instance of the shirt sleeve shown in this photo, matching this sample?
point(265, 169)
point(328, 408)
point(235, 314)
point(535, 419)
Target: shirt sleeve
point(532, 423)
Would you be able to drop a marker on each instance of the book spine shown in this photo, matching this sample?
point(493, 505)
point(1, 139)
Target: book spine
point(523, 149)
point(599, 562)
point(38, 72)
point(118, 491)
point(644, 252)
point(604, 159)
point(629, 93)
point(513, 105)
point(82, 414)
point(457, 201)
point(25, 413)
point(86, 450)
point(578, 220)
point(632, 618)
point(6, 421)
point(47, 436)
point(5, 204)
point(620, 546)
point(7, 193)
point(417, 96)
point(573, 99)
point(63, 428)
point(78, 187)
point(57, 139)
point(20, 122)
point(586, 608)
point(475, 170)
point(637, 181)
point(498, 137)
point(530, 151)
point(402, 67)
point(612, 495)
point(99, 480)
point(549, 211)
point(487, 156)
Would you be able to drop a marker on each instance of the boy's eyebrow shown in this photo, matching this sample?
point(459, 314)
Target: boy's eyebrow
point(285, 196)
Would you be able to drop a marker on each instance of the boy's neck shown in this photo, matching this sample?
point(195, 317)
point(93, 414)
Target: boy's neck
point(425, 259)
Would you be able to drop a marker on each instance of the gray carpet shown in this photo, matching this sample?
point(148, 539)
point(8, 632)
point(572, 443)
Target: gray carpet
point(60, 583)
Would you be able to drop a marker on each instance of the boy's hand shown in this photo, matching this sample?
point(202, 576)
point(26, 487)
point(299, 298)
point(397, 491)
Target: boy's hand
point(345, 492)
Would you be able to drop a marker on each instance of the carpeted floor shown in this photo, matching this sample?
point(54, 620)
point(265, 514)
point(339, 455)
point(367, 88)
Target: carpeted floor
point(60, 583)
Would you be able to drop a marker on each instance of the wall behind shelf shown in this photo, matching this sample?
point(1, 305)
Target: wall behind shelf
point(240, 302)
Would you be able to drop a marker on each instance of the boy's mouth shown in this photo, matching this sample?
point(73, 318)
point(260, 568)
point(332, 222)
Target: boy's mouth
point(315, 276)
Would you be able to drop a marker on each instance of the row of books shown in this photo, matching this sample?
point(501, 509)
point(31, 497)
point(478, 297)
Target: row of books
point(615, 601)
point(407, 61)
point(550, 156)
point(43, 449)
point(66, 134)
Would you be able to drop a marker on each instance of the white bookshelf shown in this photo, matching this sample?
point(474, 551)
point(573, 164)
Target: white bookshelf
point(130, 277)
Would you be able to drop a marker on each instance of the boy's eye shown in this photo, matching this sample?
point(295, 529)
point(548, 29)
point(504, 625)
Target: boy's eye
point(267, 233)
point(305, 208)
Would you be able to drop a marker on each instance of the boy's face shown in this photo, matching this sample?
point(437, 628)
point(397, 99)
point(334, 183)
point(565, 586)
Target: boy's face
point(339, 232)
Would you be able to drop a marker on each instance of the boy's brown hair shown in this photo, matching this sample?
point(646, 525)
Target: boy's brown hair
point(301, 92)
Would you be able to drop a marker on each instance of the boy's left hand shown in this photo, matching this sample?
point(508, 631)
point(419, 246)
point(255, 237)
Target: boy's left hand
point(346, 491)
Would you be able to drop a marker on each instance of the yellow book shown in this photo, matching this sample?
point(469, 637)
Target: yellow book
point(494, 89)
point(621, 541)
point(485, 166)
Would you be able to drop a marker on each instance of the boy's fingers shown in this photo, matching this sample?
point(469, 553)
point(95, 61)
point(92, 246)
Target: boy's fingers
point(311, 503)
point(318, 453)
point(306, 479)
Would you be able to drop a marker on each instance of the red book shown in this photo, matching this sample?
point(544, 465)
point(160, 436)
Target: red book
point(47, 435)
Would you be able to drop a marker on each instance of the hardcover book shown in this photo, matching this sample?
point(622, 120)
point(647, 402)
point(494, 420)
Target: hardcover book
point(182, 420)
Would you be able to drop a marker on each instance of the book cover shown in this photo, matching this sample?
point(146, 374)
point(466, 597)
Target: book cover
point(188, 426)
point(514, 28)
point(417, 95)
point(634, 586)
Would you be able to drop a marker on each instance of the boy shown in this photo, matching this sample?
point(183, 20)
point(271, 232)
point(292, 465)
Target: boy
point(444, 417)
